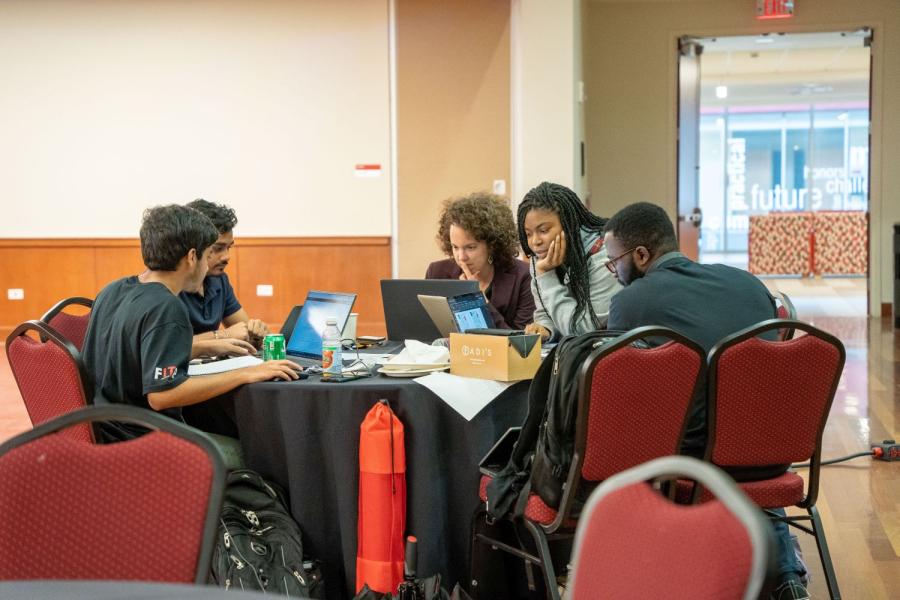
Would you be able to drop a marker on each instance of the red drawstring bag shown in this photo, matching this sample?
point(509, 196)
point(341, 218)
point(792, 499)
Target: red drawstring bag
point(382, 501)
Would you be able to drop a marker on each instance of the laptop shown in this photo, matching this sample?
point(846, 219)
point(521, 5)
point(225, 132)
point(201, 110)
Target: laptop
point(498, 456)
point(458, 313)
point(305, 343)
point(405, 316)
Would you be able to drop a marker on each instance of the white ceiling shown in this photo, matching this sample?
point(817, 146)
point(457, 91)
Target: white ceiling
point(819, 67)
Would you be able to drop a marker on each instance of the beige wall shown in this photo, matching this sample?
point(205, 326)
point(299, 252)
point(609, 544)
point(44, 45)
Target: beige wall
point(631, 83)
point(453, 94)
point(547, 63)
point(107, 107)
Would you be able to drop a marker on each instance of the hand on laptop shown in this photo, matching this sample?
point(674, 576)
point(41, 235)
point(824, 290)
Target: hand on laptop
point(226, 347)
point(257, 330)
point(273, 369)
point(238, 331)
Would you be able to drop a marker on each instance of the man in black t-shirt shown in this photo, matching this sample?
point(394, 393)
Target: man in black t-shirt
point(139, 340)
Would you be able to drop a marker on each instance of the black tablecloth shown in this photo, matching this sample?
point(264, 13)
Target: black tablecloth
point(304, 435)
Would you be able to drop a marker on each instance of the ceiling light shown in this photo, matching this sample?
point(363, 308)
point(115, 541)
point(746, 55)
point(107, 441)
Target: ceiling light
point(765, 41)
point(720, 122)
point(721, 91)
point(843, 116)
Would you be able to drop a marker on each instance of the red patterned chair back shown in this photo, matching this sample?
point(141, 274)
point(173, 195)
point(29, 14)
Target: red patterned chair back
point(720, 549)
point(142, 510)
point(769, 401)
point(50, 375)
point(72, 327)
point(636, 400)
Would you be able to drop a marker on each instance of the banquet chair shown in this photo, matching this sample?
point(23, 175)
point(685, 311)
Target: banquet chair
point(720, 550)
point(618, 413)
point(786, 310)
point(768, 405)
point(139, 510)
point(72, 327)
point(51, 376)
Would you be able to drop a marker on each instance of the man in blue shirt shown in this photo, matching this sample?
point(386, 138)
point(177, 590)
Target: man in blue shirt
point(215, 304)
point(706, 303)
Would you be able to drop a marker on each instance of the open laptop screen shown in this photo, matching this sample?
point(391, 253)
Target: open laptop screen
point(470, 311)
point(306, 339)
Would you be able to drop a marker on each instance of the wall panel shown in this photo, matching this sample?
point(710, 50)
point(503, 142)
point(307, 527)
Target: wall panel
point(49, 270)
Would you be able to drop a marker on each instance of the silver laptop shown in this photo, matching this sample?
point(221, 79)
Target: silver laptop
point(457, 314)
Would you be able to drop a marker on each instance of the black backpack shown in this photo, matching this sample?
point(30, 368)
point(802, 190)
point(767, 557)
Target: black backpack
point(258, 544)
point(543, 453)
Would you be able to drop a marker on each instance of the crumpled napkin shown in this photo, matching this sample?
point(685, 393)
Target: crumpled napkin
point(416, 353)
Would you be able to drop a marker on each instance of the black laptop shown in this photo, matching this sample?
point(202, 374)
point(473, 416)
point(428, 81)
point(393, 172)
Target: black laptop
point(405, 316)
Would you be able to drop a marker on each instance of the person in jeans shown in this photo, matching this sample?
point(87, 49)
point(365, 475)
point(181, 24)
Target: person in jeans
point(706, 303)
point(139, 340)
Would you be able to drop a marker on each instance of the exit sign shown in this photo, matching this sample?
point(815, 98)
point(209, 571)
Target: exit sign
point(774, 9)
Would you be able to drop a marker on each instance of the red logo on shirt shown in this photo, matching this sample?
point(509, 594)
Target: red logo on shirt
point(165, 372)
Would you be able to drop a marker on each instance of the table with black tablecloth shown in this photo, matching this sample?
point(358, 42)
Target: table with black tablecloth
point(304, 435)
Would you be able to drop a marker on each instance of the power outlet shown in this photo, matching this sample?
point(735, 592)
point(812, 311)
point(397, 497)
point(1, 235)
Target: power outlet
point(888, 451)
point(15, 294)
point(265, 290)
point(500, 187)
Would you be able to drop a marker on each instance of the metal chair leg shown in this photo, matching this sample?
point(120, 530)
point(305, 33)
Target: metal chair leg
point(543, 549)
point(473, 578)
point(824, 555)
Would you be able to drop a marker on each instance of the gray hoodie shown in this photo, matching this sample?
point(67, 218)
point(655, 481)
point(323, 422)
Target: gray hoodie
point(555, 303)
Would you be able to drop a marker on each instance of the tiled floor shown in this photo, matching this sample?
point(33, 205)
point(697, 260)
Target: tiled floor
point(823, 296)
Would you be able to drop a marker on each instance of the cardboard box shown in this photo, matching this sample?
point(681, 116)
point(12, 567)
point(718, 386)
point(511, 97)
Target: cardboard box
point(497, 357)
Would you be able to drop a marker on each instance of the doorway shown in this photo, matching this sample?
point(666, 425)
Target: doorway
point(780, 161)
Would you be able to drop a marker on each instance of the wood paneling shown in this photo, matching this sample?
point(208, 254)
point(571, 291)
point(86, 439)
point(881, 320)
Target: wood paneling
point(52, 269)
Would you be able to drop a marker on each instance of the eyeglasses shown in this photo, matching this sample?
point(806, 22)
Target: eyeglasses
point(611, 264)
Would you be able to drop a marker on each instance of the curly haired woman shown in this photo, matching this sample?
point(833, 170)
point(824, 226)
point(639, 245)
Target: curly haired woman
point(478, 233)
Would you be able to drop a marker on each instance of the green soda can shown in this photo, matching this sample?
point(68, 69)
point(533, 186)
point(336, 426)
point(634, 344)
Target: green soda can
point(273, 347)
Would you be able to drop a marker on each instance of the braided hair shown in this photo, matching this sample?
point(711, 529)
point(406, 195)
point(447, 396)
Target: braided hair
point(573, 216)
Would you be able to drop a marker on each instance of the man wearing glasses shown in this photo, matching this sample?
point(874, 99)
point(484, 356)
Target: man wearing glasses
point(706, 303)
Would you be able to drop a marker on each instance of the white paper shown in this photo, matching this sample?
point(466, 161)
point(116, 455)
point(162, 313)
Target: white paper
point(465, 395)
point(221, 366)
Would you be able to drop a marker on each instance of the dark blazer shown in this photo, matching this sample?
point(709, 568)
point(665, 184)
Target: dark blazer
point(511, 304)
point(703, 302)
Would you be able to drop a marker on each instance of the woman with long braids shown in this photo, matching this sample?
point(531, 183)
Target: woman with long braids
point(571, 285)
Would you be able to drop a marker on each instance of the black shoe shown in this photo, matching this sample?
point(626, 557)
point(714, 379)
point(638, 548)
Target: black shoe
point(790, 589)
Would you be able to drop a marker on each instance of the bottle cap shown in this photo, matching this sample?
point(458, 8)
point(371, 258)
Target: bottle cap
point(331, 320)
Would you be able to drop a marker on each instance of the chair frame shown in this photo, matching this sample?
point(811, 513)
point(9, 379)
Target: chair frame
point(542, 534)
point(59, 306)
point(49, 335)
point(147, 418)
point(791, 311)
point(815, 462)
point(726, 491)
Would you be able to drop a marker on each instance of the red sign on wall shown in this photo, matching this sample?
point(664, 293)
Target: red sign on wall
point(774, 9)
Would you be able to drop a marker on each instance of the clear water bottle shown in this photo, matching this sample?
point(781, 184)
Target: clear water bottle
point(331, 348)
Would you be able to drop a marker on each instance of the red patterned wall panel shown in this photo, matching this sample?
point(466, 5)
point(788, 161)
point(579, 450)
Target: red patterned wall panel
point(780, 244)
point(841, 243)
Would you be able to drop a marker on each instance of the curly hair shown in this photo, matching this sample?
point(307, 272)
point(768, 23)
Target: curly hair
point(485, 217)
point(222, 216)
